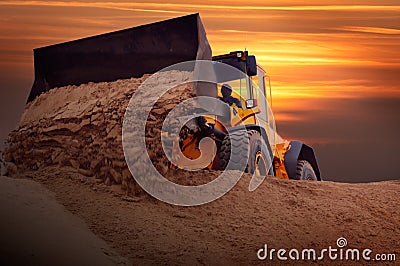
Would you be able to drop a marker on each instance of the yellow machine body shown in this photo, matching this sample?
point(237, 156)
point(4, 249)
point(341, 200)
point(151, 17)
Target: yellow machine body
point(194, 150)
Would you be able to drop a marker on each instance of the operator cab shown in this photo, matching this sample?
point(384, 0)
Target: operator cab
point(249, 89)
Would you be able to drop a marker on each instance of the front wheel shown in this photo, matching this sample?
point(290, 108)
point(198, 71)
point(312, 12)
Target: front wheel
point(305, 171)
point(257, 158)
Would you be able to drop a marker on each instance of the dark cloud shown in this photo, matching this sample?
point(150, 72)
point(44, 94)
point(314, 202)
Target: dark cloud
point(361, 137)
point(14, 92)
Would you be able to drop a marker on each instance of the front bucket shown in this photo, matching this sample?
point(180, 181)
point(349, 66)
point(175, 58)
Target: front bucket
point(122, 54)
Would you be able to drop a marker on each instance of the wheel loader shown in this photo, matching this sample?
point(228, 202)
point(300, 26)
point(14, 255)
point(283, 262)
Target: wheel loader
point(149, 48)
point(263, 151)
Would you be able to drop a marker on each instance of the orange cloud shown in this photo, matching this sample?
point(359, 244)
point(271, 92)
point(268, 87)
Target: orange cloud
point(371, 30)
point(165, 7)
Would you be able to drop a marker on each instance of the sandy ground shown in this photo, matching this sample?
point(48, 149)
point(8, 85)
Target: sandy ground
point(69, 140)
point(36, 230)
point(230, 230)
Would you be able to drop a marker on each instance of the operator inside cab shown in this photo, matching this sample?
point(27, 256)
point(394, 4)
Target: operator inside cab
point(226, 91)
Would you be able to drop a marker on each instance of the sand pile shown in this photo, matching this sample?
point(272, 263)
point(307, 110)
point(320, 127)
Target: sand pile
point(81, 126)
point(229, 231)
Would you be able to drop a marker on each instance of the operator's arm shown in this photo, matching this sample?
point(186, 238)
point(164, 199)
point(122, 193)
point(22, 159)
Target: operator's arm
point(237, 102)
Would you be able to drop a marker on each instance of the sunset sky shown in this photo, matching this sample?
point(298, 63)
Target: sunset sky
point(334, 67)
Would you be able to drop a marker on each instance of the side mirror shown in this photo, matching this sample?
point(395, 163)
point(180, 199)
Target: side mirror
point(251, 65)
point(251, 103)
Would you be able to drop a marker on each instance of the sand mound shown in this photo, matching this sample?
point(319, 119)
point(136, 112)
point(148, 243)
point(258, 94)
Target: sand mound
point(30, 240)
point(81, 126)
point(229, 231)
point(70, 133)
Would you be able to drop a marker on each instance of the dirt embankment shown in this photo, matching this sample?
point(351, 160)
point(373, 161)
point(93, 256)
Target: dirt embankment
point(230, 230)
point(37, 230)
point(81, 127)
point(69, 139)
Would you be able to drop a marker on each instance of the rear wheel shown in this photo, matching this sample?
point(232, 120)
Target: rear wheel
point(305, 171)
point(259, 159)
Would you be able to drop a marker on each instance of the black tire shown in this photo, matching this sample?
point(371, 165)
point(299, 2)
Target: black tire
point(259, 156)
point(239, 158)
point(305, 171)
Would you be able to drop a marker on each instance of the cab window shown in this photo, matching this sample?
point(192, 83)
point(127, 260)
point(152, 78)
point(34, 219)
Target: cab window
point(239, 89)
point(258, 88)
